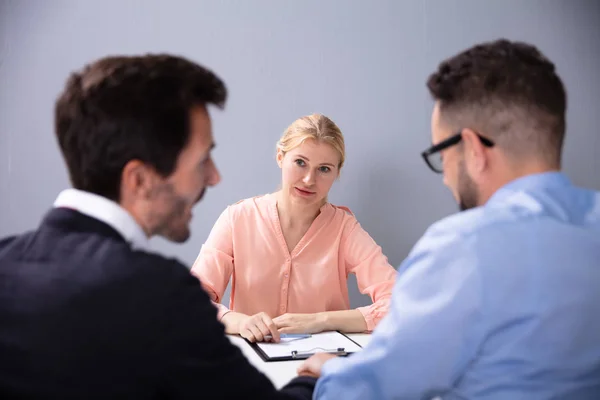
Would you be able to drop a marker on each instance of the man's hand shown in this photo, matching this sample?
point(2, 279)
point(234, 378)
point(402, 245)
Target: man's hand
point(312, 366)
point(300, 323)
point(255, 328)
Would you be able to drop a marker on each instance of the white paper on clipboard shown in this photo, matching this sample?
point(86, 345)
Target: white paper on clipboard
point(328, 342)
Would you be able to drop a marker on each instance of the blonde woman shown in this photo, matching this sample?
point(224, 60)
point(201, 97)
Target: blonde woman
point(290, 252)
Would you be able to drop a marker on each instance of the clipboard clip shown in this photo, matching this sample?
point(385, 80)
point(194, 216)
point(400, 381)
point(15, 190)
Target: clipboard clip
point(340, 351)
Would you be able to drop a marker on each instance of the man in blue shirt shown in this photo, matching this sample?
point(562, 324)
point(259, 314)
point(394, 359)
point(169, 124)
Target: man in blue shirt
point(502, 300)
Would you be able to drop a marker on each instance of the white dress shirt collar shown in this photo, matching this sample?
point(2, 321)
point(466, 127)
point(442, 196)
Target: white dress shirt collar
point(107, 211)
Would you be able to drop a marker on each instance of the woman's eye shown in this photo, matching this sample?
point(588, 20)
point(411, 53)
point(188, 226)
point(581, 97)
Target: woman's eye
point(324, 169)
point(300, 162)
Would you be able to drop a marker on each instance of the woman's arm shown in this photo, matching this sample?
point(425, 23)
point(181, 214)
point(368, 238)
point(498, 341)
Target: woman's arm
point(349, 321)
point(214, 264)
point(374, 274)
point(214, 267)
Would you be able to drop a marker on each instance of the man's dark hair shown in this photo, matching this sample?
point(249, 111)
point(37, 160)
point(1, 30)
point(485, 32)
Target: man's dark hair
point(119, 108)
point(507, 91)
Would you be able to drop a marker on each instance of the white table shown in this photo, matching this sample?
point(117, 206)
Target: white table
point(281, 372)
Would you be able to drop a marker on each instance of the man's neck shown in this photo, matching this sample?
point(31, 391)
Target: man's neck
point(136, 215)
point(511, 174)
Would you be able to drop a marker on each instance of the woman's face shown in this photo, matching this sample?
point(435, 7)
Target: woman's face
point(308, 171)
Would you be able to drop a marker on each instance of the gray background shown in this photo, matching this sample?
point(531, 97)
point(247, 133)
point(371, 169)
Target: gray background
point(363, 63)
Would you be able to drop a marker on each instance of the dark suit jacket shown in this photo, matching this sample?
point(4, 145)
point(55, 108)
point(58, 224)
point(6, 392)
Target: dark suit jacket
point(83, 316)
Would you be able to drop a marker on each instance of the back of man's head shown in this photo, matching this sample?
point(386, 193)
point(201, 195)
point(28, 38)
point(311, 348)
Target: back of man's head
point(506, 91)
point(117, 109)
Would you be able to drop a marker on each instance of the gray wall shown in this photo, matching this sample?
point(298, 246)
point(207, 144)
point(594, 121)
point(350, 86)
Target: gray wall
point(363, 63)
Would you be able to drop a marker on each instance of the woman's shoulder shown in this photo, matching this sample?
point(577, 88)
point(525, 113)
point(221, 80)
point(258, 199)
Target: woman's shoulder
point(342, 210)
point(342, 214)
point(250, 206)
point(251, 201)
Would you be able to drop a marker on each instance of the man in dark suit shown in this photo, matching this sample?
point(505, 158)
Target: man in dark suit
point(86, 310)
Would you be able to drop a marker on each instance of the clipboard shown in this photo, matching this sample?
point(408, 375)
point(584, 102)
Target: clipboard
point(333, 342)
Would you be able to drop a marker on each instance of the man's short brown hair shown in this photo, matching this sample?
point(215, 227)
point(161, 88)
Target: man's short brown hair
point(507, 91)
point(121, 108)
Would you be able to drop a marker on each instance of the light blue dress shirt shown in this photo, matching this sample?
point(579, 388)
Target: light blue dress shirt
point(498, 302)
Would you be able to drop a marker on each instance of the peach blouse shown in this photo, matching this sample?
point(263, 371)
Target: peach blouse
point(248, 244)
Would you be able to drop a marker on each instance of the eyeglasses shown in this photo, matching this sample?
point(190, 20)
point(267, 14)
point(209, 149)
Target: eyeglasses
point(433, 155)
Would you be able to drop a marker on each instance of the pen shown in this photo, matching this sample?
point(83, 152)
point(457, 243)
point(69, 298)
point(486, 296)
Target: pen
point(294, 335)
point(291, 336)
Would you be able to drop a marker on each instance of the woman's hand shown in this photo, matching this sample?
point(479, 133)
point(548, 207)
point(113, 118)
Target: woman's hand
point(257, 327)
point(300, 323)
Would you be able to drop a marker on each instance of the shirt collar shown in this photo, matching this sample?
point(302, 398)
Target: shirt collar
point(107, 211)
point(529, 183)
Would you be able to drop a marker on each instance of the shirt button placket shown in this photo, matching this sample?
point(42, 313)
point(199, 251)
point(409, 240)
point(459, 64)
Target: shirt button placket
point(284, 289)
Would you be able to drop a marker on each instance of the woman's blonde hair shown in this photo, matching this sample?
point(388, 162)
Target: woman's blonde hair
point(317, 127)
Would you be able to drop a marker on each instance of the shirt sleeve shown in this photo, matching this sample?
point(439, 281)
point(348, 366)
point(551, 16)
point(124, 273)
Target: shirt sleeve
point(429, 335)
point(214, 264)
point(374, 274)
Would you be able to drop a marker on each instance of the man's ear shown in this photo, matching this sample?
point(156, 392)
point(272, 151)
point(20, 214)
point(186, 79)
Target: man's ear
point(474, 152)
point(137, 180)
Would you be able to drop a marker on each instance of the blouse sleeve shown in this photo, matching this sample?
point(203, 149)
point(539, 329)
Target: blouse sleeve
point(374, 275)
point(214, 264)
